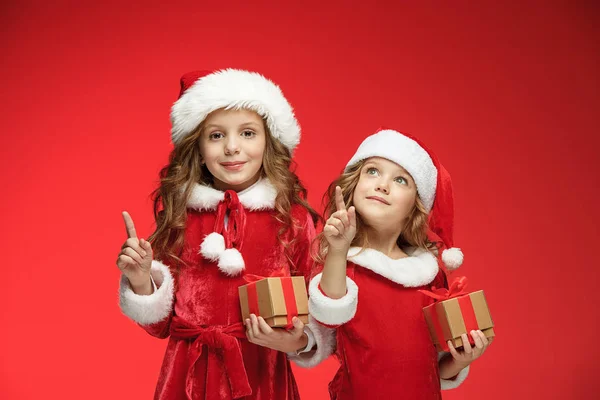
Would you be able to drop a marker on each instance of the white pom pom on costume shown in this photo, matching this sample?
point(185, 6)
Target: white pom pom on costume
point(452, 258)
point(212, 246)
point(231, 262)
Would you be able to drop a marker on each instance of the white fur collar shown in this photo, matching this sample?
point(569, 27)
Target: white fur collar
point(260, 196)
point(418, 269)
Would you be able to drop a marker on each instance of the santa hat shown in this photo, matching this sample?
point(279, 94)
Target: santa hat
point(434, 186)
point(203, 92)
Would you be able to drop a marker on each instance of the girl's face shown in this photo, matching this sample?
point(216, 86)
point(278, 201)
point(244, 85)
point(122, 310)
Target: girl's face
point(232, 145)
point(385, 194)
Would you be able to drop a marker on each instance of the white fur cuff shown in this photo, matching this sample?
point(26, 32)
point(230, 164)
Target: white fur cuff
point(332, 311)
point(448, 384)
point(147, 310)
point(324, 340)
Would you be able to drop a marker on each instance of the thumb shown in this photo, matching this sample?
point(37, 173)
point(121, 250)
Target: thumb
point(146, 246)
point(298, 326)
point(352, 216)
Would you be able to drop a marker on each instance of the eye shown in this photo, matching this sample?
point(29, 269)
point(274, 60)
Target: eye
point(216, 136)
point(248, 133)
point(401, 180)
point(372, 171)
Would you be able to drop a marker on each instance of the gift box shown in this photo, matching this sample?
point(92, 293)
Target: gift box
point(456, 312)
point(277, 300)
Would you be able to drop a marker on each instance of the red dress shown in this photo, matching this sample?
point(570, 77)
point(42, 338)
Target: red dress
point(383, 343)
point(197, 306)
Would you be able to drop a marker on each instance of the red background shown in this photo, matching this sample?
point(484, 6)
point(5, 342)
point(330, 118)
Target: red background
point(507, 95)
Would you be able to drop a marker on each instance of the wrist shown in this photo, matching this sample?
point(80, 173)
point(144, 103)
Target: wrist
point(142, 286)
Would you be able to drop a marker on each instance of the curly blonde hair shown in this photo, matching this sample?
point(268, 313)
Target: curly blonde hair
point(414, 233)
point(185, 168)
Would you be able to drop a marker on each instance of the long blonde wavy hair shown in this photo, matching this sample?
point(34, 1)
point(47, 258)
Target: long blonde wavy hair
point(414, 233)
point(185, 168)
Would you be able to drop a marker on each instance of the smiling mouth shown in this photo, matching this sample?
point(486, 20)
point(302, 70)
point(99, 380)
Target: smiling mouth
point(379, 199)
point(234, 165)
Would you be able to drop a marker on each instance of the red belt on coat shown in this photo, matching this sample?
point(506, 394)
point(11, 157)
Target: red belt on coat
point(217, 339)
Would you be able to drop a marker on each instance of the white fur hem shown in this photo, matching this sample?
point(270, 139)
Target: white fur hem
point(147, 310)
point(260, 196)
point(324, 340)
point(332, 311)
point(419, 269)
point(448, 384)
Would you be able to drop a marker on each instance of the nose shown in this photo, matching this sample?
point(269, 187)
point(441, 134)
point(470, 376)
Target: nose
point(382, 186)
point(232, 145)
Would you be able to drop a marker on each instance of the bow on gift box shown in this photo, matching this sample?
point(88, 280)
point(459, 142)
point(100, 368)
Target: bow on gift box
point(456, 291)
point(457, 288)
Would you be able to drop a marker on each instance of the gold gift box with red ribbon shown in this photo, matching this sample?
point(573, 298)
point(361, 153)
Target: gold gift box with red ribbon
point(456, 312)
point(277, 300)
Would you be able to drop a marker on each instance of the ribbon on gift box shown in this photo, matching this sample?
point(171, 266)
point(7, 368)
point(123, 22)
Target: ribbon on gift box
point(455, 291)
point(288, 295)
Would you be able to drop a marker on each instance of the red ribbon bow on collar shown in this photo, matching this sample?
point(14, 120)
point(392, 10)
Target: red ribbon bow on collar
point(236, 223)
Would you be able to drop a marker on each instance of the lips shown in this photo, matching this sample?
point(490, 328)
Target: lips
point(233, 165)
point(379, 199)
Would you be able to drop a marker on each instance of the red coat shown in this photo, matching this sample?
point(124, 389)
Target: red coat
point(383, 343)
point(208, 356)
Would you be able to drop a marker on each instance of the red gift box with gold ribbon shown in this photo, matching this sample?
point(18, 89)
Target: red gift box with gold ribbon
point(456, 312)
point(277, 300)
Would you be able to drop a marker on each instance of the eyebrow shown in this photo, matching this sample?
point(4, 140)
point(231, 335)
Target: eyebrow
point(247, 124)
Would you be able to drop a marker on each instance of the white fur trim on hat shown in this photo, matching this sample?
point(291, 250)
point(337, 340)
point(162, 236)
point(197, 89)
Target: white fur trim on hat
point(419, 269)
point(147, 310)
point(235, 89)
point(231, 262)
point(212, 246)
point(325, 341)
point(452, 258)
point(332, 311)
point(448, 384)
point(407, 153)
point(260, 196)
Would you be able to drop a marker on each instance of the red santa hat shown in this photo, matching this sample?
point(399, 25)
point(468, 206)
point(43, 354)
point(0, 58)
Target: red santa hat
point(203, 92)
point(434, 186)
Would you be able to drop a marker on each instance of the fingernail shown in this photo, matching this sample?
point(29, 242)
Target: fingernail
point(294, 319)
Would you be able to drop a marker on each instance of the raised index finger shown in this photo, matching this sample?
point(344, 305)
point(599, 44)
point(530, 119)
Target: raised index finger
point(129, 226)
point(339, 199)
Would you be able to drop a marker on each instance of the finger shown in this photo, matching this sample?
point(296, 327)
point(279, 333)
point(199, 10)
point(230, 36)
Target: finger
point(129, 226)
point(298, 328)
point(255, 329)
point(342, 216)
point(125, 261)
point(331, 230)
point(264, 327)
point(477, 339)
point(484, 339)
point(466, 344)
point(337, 224)
point(135, 245)
point(339, 199)
point(352, 217)
point(453, 350)
point(145, 245)
point(128, 251)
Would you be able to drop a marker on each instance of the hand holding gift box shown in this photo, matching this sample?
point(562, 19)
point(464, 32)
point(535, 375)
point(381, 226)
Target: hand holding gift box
point(456, 312)
point(277, 300)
